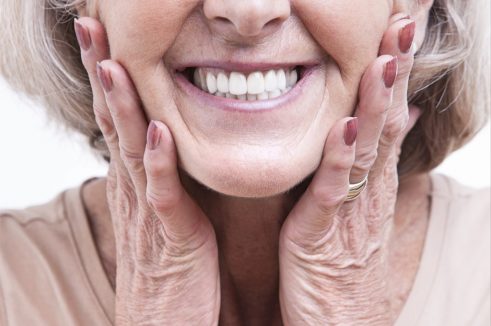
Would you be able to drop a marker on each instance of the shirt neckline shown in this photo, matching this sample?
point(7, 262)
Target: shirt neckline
point(432, 252)
point(91, 262)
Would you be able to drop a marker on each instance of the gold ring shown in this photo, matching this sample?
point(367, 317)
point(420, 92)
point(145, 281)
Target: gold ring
point(356, 189)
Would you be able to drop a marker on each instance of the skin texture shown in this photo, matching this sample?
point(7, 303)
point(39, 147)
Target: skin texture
point(180, 244)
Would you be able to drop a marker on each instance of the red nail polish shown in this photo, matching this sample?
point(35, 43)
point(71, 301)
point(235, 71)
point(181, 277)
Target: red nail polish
point(83, 36)
point(351, 132)
point(406, 37)
point(390, 72)
point(105, 78)
point(153, 136)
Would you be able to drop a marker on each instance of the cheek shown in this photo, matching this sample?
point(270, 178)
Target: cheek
point(349, 31)
point(140, 32)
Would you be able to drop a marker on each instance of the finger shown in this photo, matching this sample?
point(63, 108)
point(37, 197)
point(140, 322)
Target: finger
point(182, 219)
point(312, 216)
point(375, 98)
point(93, 47)
point(414, 114)
point(128, 117)
point(397, 41)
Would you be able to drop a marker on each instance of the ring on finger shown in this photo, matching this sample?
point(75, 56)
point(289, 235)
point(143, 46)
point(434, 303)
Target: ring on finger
point(355, 189)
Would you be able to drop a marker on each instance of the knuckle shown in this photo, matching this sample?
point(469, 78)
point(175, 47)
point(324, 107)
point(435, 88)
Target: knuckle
point(155, 167)
point(102, 118)
point(365, 160)
point(394, 128)
point(121, 109)
point(132, 160)
point(108, 132)
point(165, 201)
point(328, 200)
point(127, 202)
point(341, 164)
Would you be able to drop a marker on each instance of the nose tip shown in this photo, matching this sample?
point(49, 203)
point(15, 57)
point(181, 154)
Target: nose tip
point(247, 18)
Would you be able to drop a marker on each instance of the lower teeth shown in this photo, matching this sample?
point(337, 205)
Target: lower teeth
point(251, 97)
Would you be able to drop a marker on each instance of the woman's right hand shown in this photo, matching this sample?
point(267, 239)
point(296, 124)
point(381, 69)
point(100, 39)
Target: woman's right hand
point(167, 256)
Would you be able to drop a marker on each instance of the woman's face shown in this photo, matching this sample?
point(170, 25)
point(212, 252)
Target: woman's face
point(250, 147)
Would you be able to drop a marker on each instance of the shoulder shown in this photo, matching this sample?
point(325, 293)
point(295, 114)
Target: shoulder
point(30, 232)
point(36, 235)
point(20, 225)
point(49, 213)
point(49, 269)
point(464, 203)
point(454, 274)
point(463, 217)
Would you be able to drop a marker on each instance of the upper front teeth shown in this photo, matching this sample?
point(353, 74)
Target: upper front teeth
point(255, 86)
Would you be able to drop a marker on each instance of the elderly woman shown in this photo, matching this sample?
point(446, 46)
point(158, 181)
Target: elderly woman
point(269, 163)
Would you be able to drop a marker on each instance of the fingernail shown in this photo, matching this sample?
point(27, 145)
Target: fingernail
point(153, 136)
point(83, 36)
point(105, 78)
point(351, 131)
point(390, 72)
point(406, 36)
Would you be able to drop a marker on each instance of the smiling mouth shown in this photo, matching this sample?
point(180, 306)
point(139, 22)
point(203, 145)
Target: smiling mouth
point(246, 86)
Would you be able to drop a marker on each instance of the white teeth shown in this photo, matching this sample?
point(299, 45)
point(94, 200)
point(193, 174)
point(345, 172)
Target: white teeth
point(237, 83)
point(263, 96)
point(256, 86)
point(275, 93)
point(211, 83)
point(197, 79)
point(270, 81)
point(281, 79)
point(292, 78)
point(255, 83)
point(222, 83)
point(202, 80)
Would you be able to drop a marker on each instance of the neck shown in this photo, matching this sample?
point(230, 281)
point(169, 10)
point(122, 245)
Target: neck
point(247, 231)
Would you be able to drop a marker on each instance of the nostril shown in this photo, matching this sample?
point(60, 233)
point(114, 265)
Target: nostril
point(223, 20)
point(274, 22)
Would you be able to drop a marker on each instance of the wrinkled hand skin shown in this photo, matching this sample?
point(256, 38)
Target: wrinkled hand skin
point(160, 281)
point(334, 254)
point(167, 255)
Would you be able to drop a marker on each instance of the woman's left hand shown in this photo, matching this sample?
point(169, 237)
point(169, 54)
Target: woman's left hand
point(333, 254)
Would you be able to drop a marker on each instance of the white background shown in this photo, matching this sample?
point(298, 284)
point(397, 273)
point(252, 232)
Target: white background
point(38, 160)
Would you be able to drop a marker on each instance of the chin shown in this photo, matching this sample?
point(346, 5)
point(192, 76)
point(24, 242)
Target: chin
point(251, 179)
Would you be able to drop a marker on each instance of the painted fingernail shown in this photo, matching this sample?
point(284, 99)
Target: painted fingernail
point(390, 72)
point(105, 78)
point(406, 37)
point(351, 132)
point(153, 136)
point(83, 36)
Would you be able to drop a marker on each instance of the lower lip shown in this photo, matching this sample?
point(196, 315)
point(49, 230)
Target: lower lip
point(245, 106)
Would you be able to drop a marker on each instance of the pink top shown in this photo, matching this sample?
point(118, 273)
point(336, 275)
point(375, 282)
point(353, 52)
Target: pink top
point(51, 274)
